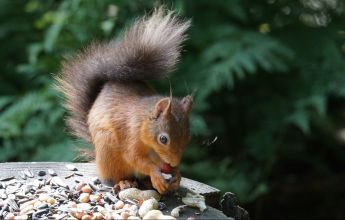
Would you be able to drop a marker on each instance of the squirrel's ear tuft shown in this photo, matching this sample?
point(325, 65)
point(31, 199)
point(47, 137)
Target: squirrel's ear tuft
point(186, 104)
point(163, 106)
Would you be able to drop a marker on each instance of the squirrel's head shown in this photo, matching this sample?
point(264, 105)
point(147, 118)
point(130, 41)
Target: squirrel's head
point(167, 129)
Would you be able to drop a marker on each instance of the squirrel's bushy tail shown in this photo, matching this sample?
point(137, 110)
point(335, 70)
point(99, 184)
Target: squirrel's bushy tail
point(148, 50)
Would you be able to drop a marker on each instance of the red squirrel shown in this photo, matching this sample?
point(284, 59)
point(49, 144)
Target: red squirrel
point(135, 131)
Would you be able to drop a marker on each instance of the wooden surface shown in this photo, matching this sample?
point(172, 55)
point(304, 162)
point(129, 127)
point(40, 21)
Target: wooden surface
point(88, 170)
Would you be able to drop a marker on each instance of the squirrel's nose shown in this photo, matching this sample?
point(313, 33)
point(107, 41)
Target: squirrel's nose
point(175, 162)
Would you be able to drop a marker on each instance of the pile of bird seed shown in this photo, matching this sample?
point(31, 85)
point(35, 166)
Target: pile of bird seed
point(30, 197)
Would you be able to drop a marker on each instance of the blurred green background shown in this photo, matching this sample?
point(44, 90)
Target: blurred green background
point(269, 84)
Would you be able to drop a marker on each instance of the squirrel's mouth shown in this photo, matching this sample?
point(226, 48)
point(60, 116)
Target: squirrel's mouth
point(166, 168)
point(163, 164)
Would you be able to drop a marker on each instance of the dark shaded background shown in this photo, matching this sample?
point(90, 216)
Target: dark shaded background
point(269, 85)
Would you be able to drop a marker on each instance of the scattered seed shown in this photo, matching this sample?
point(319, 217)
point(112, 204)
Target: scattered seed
point(96, 180)
point(52, 172)
point(58, 181)
point(86, 189)
point(9, 216)
point(52, 198)
point(119, 204)
point(28, 173)
point(41, 173)
point(84, 197)
point(51, 201)
point(78, 174)
point(42, 206)
point(162, 206)
point(7, 178)
point(69, 176)
point(111, 198)
point(71, 167)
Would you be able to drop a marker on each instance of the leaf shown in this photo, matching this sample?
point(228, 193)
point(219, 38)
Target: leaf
point(301, 120)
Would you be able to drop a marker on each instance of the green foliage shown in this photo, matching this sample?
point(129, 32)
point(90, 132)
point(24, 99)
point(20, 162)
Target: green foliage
point(268, 79)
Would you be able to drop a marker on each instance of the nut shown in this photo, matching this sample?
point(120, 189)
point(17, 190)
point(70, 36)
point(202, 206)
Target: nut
point(86, 189)
point(84, 197)
point(147, 206)
point(119, 204)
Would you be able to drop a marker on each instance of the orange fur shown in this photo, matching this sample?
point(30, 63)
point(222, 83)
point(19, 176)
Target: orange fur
point(135, 131)
point(125, 134)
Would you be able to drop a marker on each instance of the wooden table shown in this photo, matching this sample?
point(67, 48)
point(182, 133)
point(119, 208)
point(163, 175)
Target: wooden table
point(228, 204)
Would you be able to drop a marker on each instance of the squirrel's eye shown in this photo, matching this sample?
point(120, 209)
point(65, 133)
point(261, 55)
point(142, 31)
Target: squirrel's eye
point(163, 138)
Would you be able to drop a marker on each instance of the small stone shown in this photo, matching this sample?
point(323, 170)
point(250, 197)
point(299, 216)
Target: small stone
point(191, 218)
point(41, 173)
point(84, 197)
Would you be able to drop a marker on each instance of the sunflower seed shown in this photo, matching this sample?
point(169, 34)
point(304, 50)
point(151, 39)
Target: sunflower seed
point(69, 176)
point(58, 181)
point(52, 172)
point(71, 167)
point(12, 204)
point(7, 178)
point(78, 174)
point(22, 175)
point(28, 173)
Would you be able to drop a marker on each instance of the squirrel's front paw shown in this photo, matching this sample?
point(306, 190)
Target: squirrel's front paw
point(158, 182)
point(175, 181)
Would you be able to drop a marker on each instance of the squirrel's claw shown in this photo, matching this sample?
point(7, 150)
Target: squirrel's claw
point(159, 183)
